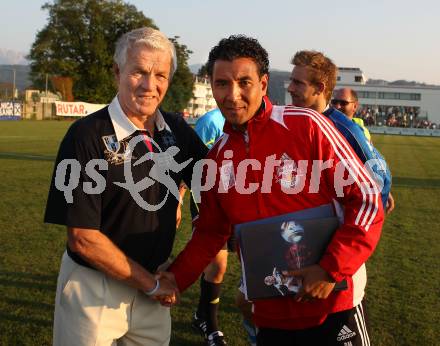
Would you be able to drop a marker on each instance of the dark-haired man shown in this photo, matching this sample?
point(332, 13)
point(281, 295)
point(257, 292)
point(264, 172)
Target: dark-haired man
point(250, 182)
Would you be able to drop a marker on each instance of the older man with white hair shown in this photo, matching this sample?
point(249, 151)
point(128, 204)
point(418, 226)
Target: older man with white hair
point(120, 220)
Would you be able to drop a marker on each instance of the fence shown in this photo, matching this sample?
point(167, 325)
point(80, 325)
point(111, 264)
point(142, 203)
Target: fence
point(404, 131)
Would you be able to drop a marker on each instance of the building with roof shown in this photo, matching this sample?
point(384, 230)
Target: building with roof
point(203, 101)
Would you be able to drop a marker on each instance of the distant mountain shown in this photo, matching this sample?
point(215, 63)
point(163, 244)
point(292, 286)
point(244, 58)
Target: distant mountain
point(410, 83)
point(376, 81)
point(194, 68)
point(12, 57)
point(22, 80)
point(398, 82)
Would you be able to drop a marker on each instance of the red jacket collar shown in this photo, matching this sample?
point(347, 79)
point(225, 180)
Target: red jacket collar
point(259, 119)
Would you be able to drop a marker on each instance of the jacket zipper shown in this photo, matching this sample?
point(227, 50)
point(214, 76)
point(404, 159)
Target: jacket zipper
point(249, 155)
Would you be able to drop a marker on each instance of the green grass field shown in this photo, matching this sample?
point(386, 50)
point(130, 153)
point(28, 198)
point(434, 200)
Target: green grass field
point(403, 295)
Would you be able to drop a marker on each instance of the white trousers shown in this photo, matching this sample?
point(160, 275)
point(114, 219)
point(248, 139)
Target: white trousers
point(93, 309)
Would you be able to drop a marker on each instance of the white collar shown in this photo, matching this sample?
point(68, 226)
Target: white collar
point(123, 125)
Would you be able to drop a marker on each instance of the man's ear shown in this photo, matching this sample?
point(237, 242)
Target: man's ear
point(320, 88)
point(264, 83)
point(355, 106)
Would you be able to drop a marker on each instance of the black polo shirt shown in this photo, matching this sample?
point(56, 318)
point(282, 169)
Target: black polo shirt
point(143, 234)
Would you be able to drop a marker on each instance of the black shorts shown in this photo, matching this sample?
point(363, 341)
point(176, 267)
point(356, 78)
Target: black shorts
point(344, 328)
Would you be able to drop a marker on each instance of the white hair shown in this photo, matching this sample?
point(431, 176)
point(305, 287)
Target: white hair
point(149, 37)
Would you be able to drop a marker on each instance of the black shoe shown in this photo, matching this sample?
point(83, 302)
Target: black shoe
point(199, 324)
point(216, 339)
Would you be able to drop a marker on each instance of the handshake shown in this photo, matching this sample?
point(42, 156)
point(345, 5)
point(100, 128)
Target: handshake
point(166, 291)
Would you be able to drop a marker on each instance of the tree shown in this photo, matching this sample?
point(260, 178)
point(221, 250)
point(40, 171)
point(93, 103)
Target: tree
point(181, 88)
point(78, 42)
point(203, 71)
point(63, 85)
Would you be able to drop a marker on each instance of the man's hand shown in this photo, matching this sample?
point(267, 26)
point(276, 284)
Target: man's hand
point(182, 190)
point(390, 204)
point(178, 215)
point(168, 293)
point(316, 283)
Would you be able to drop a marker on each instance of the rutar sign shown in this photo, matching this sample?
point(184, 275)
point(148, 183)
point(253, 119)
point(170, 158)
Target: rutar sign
point(76, 109)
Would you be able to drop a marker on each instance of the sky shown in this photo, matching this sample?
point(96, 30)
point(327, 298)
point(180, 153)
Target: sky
point(387, 39)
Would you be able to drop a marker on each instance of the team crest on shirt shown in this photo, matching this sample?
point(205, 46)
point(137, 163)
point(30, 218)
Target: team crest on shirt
point(111, 143)
point(287, 172)
point(116, 152)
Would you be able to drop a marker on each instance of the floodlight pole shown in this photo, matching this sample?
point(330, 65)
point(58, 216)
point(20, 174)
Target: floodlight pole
point(45, 100)
point(13, 93)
